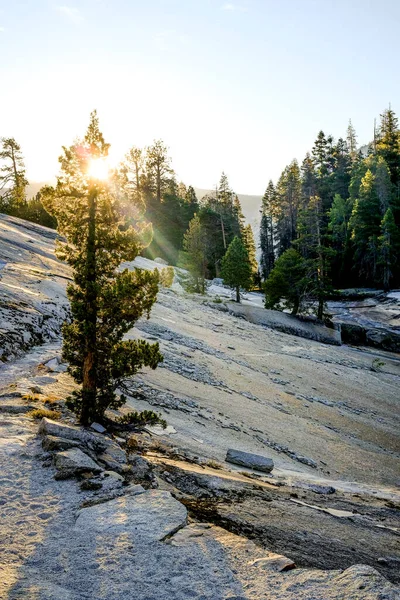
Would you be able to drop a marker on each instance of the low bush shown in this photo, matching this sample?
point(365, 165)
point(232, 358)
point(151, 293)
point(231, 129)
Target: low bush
point(141, 419)
point(40, 413)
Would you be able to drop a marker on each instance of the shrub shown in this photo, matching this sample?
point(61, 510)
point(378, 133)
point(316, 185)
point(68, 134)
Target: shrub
point(40, 413)
point(31, 397)
point(377, 365)
point(51, 399)
point(167, 277)
point(141, 419)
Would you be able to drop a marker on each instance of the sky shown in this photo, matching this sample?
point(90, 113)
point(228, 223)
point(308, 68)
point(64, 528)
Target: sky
point(240, 86)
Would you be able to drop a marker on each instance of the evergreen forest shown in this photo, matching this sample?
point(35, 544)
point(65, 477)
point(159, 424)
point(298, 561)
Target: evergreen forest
point(330, 222)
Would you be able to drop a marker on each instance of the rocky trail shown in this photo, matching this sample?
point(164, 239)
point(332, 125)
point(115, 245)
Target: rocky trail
point(162, 514)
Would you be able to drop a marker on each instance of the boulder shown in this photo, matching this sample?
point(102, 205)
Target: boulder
point(92, 440)
point(73, 462)
point(274, 562)
point(145, 517)
point(252, 461)
point(49, 427)
point(114, 450)
point(16, 408)
point(383, 338)
point(322, 489)
point(142, 470)
point(113, 475)
point(160, 261)
point(112, 455)
point(98, 427)
point(306, 461)
point(52, 364)
point(51, 443)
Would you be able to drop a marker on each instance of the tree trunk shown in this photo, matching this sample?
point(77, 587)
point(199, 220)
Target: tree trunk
point(223, 232)
point(237, 294)
point(89, 383)
point(296, 306)
point(320, 312)
point(158, 183)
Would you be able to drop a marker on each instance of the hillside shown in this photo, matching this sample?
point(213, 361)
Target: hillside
point(173, 518)
point(251, 205)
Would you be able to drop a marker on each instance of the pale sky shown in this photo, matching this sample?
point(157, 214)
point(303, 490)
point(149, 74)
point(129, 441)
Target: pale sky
point(241, 86)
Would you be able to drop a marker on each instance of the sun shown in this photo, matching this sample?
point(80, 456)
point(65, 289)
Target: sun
point(99, 168)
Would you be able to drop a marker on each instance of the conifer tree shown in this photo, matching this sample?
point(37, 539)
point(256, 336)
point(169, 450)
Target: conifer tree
point(383, 184)
point(286, 205)
point(194, 257)
point(105, 303)
point(365, 226)
point(12, 177)
point(238, 216)
point(249, 244)
point(388, 145)
point(133, 168)
point(287, 282)
point(352, 141)
point(158, 169)
point(267, 257)
point(389, 249)
point(236, 268)
point(312, 245)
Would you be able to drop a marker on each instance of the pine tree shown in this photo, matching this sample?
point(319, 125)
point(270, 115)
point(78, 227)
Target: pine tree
point(312, 245)
point(250, 245)
point(238, 216)
point(286, 205)
point(365, 226)
point(267, 257)
point(341, 169)
point(224, 192)
point(34, 211)
point(383, 184)
point(158, 169)
point(352, 141)
point(338, 227)
point(388, 145)
point(12, 177)
point(287, 281)
point(133, 169)
point(236, 268)
point(105, 303)
point(323, 159)
point(194, 258)
point(389, 249)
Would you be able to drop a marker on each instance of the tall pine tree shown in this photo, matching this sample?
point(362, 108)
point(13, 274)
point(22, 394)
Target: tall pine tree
point(105, 303)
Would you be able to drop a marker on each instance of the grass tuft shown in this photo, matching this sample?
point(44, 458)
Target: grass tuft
point(39, 413)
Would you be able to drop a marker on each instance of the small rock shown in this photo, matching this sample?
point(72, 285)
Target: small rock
point(113, 475)
point(322, 489)
point(158, 430)
point(274, 562)
point(35, 389)
point(16, 408)
point(252, 461)
point(306, 461)
point(53, 443)
point(71, 463)
point(142, 470)
point(97, 427)
point(49, 427)
point(52, 364)
point(134, 489)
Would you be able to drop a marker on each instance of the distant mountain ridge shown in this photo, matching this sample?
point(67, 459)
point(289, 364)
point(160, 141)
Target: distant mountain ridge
point(251, 205)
